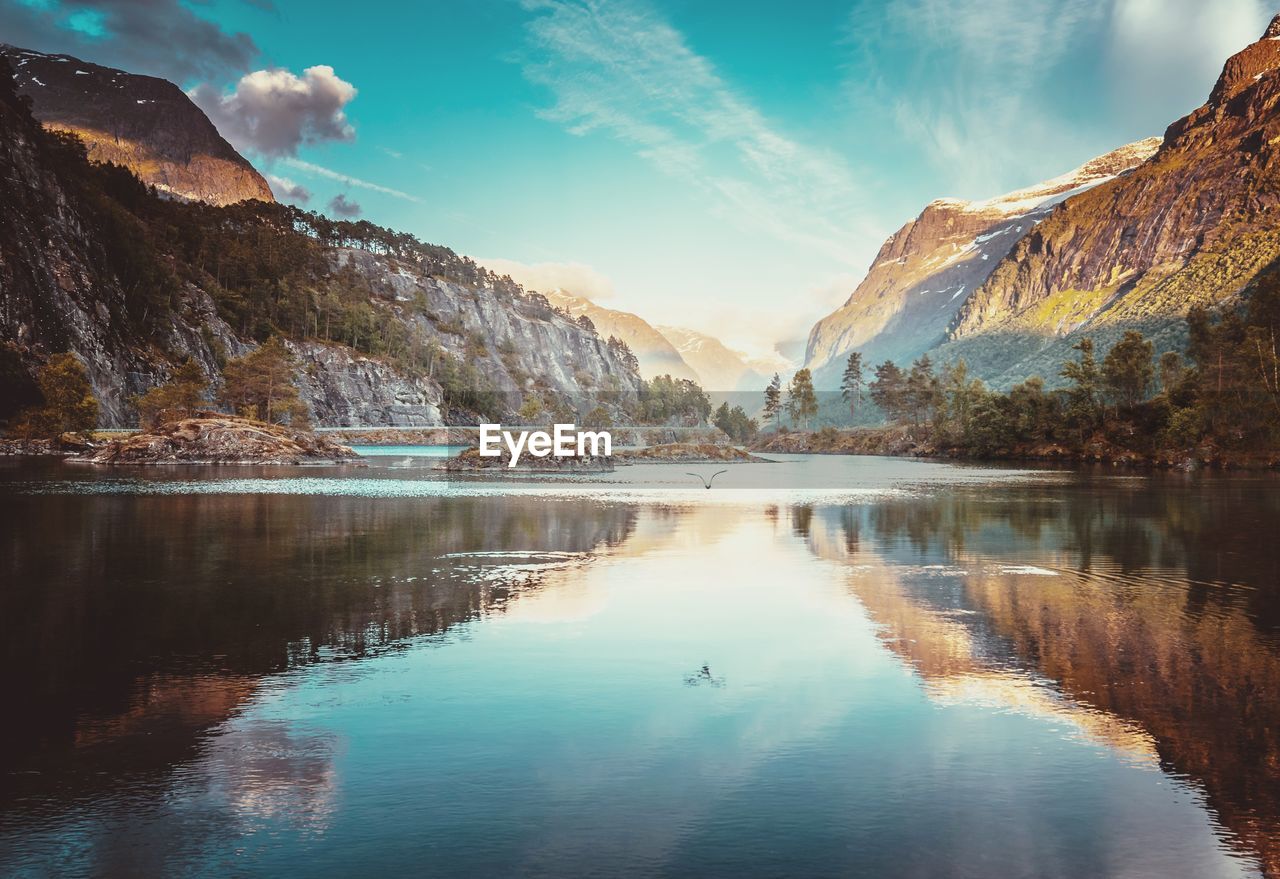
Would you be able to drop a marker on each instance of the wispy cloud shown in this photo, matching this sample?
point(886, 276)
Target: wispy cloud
point(962, 81)
point(619, 69)
point(329, 174)
point(1000, 93)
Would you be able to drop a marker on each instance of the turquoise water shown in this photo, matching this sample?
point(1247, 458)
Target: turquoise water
point(830, 667)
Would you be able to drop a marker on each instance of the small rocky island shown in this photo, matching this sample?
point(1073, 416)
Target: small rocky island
point(221, 439)
point(688, 453)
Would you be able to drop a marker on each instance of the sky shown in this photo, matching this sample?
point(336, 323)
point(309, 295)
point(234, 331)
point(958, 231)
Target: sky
point(727, 166)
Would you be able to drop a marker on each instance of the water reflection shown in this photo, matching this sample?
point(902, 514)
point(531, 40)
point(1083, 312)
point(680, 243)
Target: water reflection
point(1080, 678)
point(1148, 620)
point(137, 622)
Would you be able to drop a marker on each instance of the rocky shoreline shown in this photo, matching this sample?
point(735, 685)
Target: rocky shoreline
point(221, 439)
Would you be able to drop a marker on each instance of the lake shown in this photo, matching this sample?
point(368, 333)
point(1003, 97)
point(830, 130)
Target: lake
point(823, 666)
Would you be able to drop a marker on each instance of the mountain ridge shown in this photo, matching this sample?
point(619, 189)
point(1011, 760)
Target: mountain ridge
point(925, 271)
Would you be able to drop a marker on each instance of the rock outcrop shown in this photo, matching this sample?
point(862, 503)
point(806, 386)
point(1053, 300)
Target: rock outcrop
point(343, 388)
point(927, 270)
point(221, 439)
point(149, 125)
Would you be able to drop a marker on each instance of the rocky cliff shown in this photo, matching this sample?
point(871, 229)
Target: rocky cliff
point(1193, 224)
point(927, 270)
point(655, 352)
point(146, 124)
point(518, 345)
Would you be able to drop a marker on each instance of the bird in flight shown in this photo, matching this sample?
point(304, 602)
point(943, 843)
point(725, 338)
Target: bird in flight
point(706, 483)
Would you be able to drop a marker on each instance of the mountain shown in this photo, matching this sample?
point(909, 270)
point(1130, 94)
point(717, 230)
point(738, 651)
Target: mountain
point(388, 330)
point(146, 124)
point(927, 270)
point(1194, 224)
point(721, 369)
point(656, 354)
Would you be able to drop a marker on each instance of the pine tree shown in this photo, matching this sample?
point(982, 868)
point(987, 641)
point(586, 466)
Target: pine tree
point(802, 402)
point(773, 401)
point(851, 383)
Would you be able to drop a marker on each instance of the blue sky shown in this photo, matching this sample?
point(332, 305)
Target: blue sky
point(726, 166)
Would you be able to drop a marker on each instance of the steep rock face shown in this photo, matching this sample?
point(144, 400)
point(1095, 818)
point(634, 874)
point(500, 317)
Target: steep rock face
point(146, 124)
point(345, 389)
point(56, 293)
point(1193, 224)
point(926, 271)
point(721, 368)
point(656, 354)
point(519, 346)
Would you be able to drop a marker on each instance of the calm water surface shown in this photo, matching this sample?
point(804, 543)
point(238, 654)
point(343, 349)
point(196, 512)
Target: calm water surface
point(822, 667)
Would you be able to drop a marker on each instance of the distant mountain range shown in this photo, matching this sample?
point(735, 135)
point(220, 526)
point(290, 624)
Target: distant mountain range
point(148, 125)
point(720, 368)
point(1130, 240)
point(674, 351)
point(657, 355)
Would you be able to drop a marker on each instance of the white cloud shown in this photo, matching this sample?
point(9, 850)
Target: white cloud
point(618, 69)
point(274, 112)
point(572, 277)
point(347, 179)
point(286, 190)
